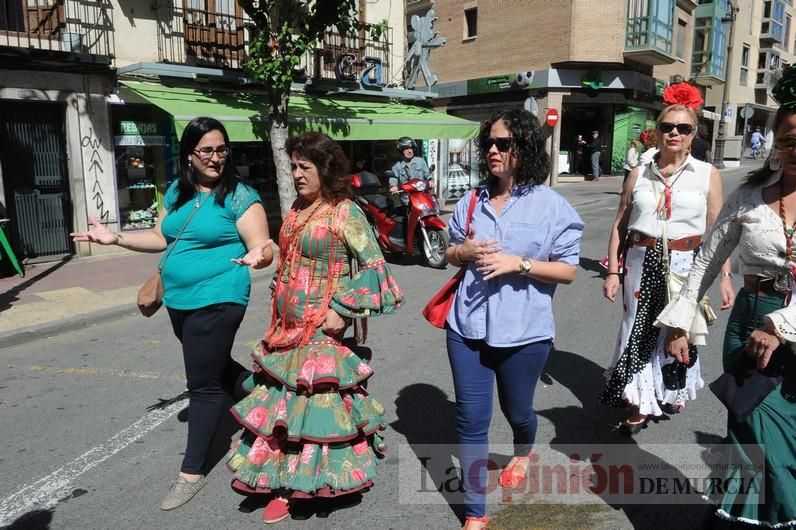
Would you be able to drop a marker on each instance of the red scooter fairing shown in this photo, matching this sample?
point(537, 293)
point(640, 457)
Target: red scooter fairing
point(421, 216)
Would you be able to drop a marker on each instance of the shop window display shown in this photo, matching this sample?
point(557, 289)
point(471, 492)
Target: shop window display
point(138, 172)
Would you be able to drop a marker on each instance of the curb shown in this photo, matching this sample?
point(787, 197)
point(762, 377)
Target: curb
point(16, 337)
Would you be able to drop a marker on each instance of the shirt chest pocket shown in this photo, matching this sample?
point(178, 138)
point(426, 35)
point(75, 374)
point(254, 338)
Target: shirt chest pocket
point(524, 239)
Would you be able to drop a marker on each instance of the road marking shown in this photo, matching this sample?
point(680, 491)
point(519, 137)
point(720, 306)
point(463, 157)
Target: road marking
point(48, 491)
point(106, 371)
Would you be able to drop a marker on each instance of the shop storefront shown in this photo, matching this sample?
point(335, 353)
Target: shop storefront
point(367, 130)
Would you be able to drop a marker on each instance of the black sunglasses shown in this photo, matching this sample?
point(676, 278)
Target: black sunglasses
point(682, 128)
point(502, 144)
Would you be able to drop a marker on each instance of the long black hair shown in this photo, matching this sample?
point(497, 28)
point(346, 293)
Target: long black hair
point(527, 141)
point(191, 137)
point(755, 178)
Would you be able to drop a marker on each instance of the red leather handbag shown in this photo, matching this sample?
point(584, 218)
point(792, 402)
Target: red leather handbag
point(437, 309)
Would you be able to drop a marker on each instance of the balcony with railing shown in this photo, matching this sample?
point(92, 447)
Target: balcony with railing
point(345, 58)
point(772, 23)
point(76, 30)
point(192, 36)
point(710, 43)
point(650, 31)
point(212, 39)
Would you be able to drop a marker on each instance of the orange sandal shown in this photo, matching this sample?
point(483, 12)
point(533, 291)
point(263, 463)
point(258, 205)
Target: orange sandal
point(510, 477)
point(470, 519)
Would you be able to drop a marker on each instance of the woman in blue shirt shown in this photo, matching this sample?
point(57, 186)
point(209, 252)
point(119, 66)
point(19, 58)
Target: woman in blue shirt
point(205, 279)
point(524, 240)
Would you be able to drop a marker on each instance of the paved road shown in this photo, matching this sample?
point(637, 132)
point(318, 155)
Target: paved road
point(93, 421)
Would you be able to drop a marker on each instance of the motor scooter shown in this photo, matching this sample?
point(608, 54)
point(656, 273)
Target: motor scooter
point(413, 227)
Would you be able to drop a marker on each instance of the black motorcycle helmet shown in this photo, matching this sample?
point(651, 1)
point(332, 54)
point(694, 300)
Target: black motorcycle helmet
point(404, 142)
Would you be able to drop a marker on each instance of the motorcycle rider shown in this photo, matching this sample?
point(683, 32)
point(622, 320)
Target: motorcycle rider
point(410, 166)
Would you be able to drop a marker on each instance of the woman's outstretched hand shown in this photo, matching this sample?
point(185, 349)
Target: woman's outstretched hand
point(761, 344)
point(98, 233)
point(258, 257)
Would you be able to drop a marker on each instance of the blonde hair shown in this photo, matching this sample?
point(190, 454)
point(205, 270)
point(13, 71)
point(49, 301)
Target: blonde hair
point(674, 108)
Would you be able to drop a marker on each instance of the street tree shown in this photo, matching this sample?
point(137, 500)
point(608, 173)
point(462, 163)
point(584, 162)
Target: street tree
point(284, 31)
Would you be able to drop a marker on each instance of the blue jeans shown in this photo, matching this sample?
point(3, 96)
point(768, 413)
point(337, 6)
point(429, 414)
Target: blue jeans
point(475, 365)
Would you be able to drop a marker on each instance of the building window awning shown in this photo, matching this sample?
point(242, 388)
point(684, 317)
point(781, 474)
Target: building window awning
point(245, 114)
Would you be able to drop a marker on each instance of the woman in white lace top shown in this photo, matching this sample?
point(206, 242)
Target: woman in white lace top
point(758, 221)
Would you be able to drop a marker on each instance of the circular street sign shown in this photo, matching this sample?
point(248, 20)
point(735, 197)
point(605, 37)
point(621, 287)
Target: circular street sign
point(747, 112)
point(551, 117)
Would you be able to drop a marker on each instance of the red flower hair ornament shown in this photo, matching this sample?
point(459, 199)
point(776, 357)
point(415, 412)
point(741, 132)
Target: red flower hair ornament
point(683, 94)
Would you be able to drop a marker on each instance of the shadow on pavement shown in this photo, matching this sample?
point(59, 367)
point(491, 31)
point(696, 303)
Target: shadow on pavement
point(427, 417)
point(8, 298)
point(33, 520)
point(592, 424)
point(592, 265)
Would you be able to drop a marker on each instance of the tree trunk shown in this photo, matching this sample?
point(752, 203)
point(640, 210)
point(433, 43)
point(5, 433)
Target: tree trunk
point(279, 135)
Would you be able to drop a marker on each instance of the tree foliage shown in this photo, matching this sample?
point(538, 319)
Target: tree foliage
point(284, 32)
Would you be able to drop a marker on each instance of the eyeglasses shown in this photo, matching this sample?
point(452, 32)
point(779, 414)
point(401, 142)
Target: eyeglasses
point(682, 128)
point(206, 153)
point(786, 143)
point(502, 144)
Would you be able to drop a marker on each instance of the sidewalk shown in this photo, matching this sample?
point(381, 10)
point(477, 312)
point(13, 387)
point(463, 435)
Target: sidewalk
point(60, 296)
point(63, 295)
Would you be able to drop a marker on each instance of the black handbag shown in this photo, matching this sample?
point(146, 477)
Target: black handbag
point(744, 387)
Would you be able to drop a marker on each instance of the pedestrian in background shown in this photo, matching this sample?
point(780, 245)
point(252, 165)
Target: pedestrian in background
point(310, 428)
point(631, 159)
point(595, 150)
point(700, 147)
point(671, 201)
point(205, 279)
point(649, 138)
point(579, 150)
point(757, 220)
point(523, 241)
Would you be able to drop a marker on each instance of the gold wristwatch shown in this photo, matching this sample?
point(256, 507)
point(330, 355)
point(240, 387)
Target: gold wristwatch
point(525, 266)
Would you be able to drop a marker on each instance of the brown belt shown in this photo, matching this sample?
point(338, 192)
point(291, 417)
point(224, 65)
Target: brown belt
point(683, 245)
point(760, 285)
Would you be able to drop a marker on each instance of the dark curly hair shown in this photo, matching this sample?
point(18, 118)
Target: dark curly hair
point(333, 166)
point(191, 136)
point(528, 143)
point(761, 175)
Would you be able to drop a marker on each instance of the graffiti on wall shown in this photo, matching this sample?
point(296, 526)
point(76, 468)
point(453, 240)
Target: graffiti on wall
point(95, 172)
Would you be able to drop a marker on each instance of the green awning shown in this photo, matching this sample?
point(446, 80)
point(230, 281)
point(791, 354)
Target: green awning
point(245, 114)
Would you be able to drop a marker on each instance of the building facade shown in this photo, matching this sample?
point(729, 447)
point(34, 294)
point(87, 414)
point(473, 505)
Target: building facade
point(94, 95)
point(601, 65)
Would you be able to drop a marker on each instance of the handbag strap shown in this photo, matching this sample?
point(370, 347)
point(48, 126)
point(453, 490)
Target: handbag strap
point(471, 210)
point(197, 205)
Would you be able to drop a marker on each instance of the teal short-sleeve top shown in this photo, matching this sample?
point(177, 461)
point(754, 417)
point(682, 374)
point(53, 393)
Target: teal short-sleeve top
point(199, 271)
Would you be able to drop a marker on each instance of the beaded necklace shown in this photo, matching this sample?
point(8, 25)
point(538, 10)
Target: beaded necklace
point(664, 207)
point(784, 281)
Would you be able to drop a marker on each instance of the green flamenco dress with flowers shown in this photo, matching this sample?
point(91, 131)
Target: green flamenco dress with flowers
point(310, 427)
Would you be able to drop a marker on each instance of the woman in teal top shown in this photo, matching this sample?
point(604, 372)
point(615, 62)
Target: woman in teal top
point(205, 279)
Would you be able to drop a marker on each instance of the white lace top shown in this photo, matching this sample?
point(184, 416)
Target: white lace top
point(689, 201)
point(747, 223)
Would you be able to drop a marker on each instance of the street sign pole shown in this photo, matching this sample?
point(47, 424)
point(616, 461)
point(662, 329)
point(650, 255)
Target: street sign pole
point(551, 119)
point(721, 138)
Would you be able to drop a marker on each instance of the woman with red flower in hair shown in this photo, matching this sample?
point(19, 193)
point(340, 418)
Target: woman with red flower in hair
point(667, 204)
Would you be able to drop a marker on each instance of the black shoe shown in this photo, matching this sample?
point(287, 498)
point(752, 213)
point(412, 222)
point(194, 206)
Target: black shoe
point(670, 408)
point(630, 429)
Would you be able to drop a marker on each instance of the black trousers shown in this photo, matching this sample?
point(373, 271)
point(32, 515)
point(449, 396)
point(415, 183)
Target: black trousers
point(207, 335)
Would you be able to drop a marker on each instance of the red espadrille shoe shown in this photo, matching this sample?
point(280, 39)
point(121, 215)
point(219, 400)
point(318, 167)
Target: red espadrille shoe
point(475, 523)
point(276, 510)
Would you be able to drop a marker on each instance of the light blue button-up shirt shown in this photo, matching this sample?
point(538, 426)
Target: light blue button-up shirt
point(513, 309)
